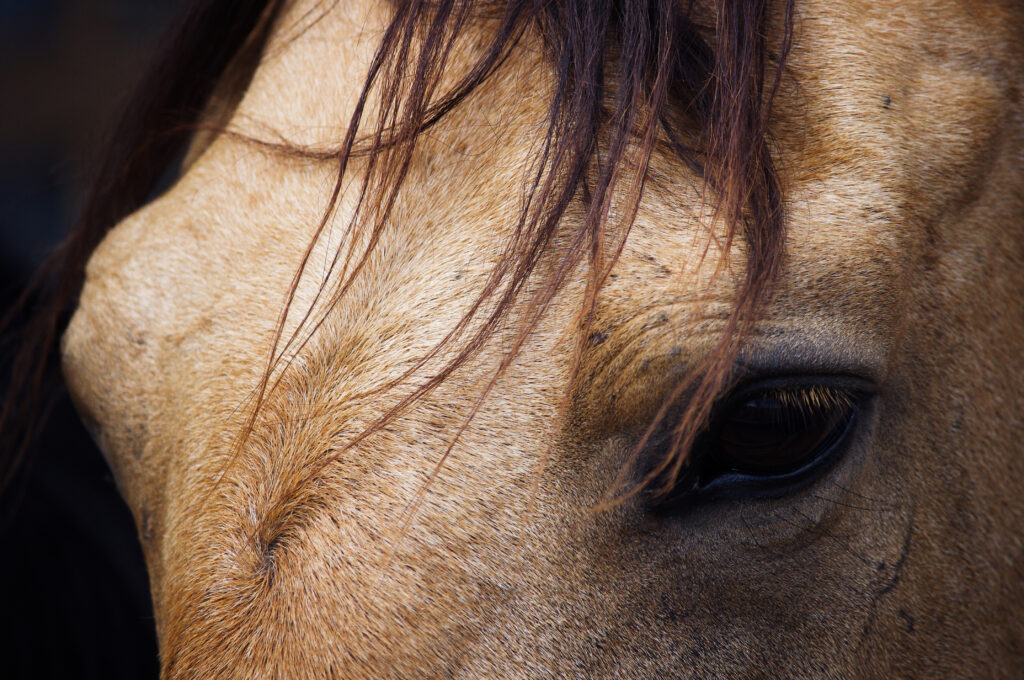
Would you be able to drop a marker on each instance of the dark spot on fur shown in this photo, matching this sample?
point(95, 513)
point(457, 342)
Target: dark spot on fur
point(958, 418)
point(269, 563)
point(886, 102)
point(675, 351)
point(139, 434)
point(662, 318)
point(145, 526)
point(930, 256)
point(908, 619)
point(897, 571)
point(273, 545)
point(669, 609)
point(598, 337)
point(877, 214)
point(662, 269)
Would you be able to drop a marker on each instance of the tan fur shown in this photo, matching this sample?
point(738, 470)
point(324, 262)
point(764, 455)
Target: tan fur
point(900, 137)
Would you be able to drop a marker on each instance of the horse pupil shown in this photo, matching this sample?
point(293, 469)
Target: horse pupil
point(770, 435)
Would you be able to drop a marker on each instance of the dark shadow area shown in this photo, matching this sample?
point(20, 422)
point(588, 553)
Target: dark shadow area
point(74, 596)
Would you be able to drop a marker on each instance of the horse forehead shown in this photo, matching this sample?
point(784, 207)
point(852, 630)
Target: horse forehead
point(880, 123)
point(880, 120)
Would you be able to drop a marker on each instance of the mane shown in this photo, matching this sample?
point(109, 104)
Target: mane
point(630, 77)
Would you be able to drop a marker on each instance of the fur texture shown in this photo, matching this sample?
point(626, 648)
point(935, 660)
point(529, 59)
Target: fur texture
point(900, 138)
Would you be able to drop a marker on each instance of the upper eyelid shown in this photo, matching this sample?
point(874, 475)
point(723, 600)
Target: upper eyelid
point(787, 351)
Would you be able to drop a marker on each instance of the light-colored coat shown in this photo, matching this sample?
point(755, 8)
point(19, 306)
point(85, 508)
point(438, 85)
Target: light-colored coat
point(900, 138)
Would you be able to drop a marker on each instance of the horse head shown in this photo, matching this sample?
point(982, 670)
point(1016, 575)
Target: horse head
point(565, 340)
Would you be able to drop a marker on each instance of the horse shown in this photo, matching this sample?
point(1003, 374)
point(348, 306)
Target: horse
point(633, 339)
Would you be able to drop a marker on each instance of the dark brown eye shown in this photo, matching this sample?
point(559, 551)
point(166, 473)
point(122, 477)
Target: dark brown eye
point(780, 430)
point(767, 439)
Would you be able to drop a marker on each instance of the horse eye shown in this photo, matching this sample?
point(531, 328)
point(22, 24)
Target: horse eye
point(768, 439)
point(779, 431)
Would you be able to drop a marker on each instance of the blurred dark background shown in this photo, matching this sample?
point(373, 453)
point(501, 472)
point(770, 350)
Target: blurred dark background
point(74, 599)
